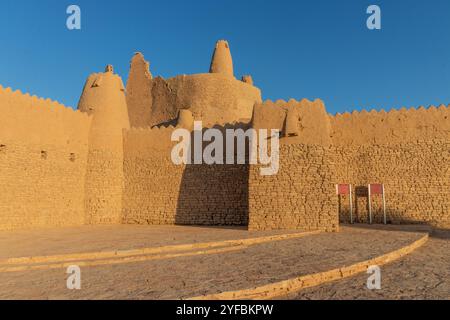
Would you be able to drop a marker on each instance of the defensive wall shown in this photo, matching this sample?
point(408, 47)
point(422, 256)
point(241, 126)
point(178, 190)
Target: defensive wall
point(110, 162)
point(408, 151)
point(159, 192)
point(43, 159)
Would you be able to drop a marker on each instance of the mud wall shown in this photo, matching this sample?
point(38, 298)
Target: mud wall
point(310, 120)
point(43, 156)
point(416, 178)
point(213, 98)
point(408, 151)
point(300, 196)
point(160, 192)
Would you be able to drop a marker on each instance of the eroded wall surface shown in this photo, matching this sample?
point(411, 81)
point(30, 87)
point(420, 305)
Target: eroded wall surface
point(43, 156)
point(160, 192)
point(416, 178)
point(214, 98)
point(59, 167)
point(393, 127)
point(310, 119)
point(300, 196)
point(408, 151)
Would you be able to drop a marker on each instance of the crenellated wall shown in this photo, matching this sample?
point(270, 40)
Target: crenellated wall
point(310, 120)
point(43, 156)
point(393, 127)
point(416, 178)
point(301, 195)
point(61, 167)
point(408, 151)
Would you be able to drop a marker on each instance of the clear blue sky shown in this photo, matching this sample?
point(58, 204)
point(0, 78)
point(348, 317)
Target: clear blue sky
point(293, 49)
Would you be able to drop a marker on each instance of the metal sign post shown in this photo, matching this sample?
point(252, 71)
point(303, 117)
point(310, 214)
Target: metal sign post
point(351, 205)
point(370, 204)
point(384, 206)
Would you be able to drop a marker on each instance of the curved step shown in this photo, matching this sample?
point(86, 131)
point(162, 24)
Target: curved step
point(138, 255)
point(282, 288)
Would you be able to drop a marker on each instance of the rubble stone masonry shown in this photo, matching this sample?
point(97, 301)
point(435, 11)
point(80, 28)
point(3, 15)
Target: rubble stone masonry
point(60, 167)
point(300, 196)
point(159, 192)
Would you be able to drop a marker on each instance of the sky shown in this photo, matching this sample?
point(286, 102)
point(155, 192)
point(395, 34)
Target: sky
point(292, 48)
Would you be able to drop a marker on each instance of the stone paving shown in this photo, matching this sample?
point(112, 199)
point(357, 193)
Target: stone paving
point(424, 274)
point(185, 276)
point(122, 237)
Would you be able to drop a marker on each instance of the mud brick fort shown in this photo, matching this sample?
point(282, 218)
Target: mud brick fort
point(109, 161)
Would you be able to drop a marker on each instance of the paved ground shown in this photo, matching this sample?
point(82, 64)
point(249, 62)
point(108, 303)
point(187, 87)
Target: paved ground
point(103, 238)
point(190, 275)
point(424, 274)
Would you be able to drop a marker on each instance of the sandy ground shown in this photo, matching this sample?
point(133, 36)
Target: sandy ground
point(188, 276)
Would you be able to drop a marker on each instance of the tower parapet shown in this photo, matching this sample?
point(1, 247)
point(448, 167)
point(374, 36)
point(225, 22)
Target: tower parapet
point(222, 62)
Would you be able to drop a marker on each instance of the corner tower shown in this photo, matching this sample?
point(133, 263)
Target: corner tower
point(222, 62)
point(104, 97)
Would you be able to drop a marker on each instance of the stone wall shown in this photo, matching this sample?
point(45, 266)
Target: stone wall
point(393, 127)
point(59, 167)
point(416, 178)
point(43, 157)
point(408, 151)
point(300, 196)
point(310, 120)
point(159, 192)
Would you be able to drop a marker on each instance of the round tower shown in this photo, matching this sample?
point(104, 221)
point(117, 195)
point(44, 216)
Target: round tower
point(103, 97)
point(222, 62)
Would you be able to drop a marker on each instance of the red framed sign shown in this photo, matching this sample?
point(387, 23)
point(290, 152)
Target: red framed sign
point(377, 189)
point(343, 189)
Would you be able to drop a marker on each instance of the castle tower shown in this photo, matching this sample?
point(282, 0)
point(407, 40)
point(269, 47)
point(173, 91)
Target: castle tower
point(222, 62)
point(104, 97)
